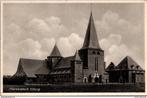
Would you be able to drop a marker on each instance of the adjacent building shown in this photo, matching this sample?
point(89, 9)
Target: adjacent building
point(127, 71)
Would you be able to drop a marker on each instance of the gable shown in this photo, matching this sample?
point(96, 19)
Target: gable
point(31, 67)
point(111, 66)
point(129, 63)
point(20, 72)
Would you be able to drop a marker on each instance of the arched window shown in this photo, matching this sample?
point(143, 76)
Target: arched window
point(85, 80)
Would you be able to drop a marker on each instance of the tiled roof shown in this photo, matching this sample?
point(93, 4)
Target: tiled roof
point(30, 67)
point(65, 62)
point(111, 66)
point(128, 63)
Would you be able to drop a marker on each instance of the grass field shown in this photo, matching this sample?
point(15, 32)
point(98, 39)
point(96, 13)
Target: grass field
point(75, 88)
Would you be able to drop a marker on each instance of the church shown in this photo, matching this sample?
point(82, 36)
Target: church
point(87, 65)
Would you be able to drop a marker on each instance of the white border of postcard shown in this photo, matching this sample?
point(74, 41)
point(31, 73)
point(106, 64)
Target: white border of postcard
point(75, 93)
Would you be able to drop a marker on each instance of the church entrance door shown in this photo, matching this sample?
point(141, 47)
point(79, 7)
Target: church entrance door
point(89, 79)
point(85, 80)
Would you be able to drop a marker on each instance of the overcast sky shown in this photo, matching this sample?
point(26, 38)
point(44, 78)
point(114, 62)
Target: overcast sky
point(31, 30)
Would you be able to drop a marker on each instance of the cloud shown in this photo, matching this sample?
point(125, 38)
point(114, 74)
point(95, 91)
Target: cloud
point(120, 37)
point(115, 38)
point(112, 39)
point(25, 49)
point(46, 28)
point(56, 27)
point(76, 41)
point(37, 28)
point(47, 46)
point(36, 40)
point(115, 50)
point(117, 53)
point(68, 45)
point(53, 21)
point(80, 26)
point(29, 48)
point(112, 23)
point(13, 30)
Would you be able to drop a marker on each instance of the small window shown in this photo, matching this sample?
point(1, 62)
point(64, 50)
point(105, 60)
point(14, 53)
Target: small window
point(93, 52)
point(137, 67)
point(132, 66)
point(98, 53)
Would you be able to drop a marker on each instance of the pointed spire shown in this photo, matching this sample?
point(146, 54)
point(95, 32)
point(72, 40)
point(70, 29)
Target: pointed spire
point(91, 39)
point(77, 57)
point(55, 51)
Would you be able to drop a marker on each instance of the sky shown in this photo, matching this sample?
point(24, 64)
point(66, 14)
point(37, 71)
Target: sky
point(30, 30)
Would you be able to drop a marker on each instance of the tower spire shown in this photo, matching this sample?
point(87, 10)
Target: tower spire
point(55, 51)
point(91, 39)
point(77, 57)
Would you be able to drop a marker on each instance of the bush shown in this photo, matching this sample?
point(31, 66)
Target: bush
point(14, 80)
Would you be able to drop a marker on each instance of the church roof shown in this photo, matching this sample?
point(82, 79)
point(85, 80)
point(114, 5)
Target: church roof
point(128, 63)
point(55, 51)
point(20, 72)
point(91, 39)
point(30, 67)
point(65, 62)
point(111, 66)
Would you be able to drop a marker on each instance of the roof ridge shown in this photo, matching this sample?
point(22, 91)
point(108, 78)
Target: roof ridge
point(110, 66)
point(30, 59)
point(128, 61)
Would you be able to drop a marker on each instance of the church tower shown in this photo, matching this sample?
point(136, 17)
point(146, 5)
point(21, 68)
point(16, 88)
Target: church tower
point(54, 57)
point(91, 54)
point(77, 69)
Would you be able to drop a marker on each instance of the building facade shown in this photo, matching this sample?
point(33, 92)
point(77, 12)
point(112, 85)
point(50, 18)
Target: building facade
point(127, 71)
